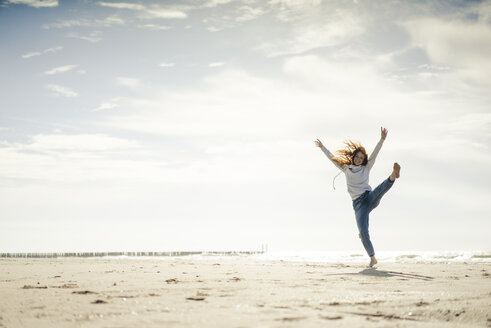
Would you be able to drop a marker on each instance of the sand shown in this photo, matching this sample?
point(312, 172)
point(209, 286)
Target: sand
point(240, 292)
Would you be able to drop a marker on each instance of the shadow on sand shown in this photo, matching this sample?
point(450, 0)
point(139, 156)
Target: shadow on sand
point(387, 274)
point(383, 274)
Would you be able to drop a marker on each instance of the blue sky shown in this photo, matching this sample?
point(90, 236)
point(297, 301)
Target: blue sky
point(190, 125)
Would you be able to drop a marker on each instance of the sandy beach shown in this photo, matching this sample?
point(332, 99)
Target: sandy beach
point(240, 292)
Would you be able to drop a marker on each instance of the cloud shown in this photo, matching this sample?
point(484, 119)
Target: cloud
point(215, 3)
point(39, 53)
point(128, 82)
point(231, 16)
point(155, 27)
point(104, 106)
point(77, 142)
point(167, 64)
point(148, 12)
point(231, 103)
point(315, 96)
point(461, 45)
point(338, 78)
point(122, 5)
point(106, 22)
point(309, 36)
point(214, 29)
point(295, 10)
point(31, 54)
point(249, 13)
point(92, 37)
point(35, 3)
point(59, 90)
point(216, 64)
point(156, 12)
point(61, 69)
point(71, 157)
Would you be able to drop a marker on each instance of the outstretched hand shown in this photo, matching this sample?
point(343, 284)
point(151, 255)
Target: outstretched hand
point(383, 133)
point(318, 143)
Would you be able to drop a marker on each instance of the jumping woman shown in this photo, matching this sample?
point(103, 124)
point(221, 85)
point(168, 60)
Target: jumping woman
point(354, 162)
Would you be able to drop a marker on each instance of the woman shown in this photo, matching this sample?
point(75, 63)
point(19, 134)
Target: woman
point(353, 161)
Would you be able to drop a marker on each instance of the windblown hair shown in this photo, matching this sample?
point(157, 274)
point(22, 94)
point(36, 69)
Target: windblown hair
point(346, 155)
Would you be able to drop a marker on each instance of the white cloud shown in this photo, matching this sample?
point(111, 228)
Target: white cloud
point(110, 21)
point(31, 54)
point(295, 10)
point(231, 103)
point(216, 64)
point(122, 5)
point(249, 13)
point(55, 49)
point(314, 97)
point(463, 46)
point(338, 78)
point(71, 157)
point(167, 64)
point(92, 37)
point(150, 11)
point(215, 3)
point(155, 27)
point(69, 23)
point(231, 16)
point(310, 25)
point(35, 3)
point(106, 22)
point(309, 36)
point(59, 90)
point(39, 53)
point(60, 69)
point(128, 82)
point(213, 29)
point(77, 142)
point(157, 12)
point(104, 106)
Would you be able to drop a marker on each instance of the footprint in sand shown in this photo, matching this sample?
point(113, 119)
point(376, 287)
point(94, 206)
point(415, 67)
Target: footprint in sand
point(34, 287)
point(195, 298)
point(65, 286)
point(289, 319)
point(330, 318)
point(83, 292)
point(172, 281)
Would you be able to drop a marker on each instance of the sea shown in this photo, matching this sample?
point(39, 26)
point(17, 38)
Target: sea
point(387, 256)
point(308, 257)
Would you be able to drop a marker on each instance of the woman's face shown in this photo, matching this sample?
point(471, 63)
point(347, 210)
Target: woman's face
point(359, 158)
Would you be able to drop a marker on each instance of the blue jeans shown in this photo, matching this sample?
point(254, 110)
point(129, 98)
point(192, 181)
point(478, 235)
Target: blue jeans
point(363, 205)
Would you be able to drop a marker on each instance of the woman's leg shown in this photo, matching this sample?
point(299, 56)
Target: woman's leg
point(362, 218)
point(376, 195)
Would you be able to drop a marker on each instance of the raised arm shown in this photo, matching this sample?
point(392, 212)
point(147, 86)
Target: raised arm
point(319, 144)
point(373, 155)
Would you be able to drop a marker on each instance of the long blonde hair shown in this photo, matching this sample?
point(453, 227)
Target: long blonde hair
point(346, 155)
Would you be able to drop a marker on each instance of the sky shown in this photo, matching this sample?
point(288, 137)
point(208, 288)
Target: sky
point(190, 125)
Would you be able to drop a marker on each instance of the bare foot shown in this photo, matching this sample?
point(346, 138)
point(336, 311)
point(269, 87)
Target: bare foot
point(373, 261)
point(395, 173)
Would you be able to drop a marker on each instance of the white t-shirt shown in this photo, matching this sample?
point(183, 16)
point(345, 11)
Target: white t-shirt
point(357, 176)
